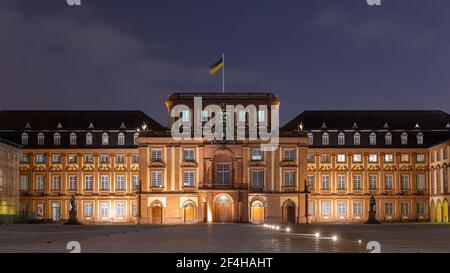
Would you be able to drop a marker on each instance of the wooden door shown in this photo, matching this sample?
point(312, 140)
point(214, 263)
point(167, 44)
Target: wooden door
point(189, 212)
point(156, 215)
point(257, 214)
point(223, 212)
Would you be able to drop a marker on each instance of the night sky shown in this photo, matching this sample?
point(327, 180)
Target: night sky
point(315, 54)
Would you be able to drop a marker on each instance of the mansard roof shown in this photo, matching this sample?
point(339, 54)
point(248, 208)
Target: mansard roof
point(370, 120)
point(70, 120)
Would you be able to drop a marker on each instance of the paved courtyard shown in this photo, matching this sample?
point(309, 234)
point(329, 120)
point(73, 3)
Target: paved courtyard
point(225, 238)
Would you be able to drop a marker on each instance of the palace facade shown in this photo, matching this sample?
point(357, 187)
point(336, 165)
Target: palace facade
point(123, 166)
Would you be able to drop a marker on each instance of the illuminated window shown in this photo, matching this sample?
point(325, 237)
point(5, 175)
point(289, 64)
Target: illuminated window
point(388, 182)
point(289, 179)
point(325, 182)
point(40, 159)
point(120, 182)
point(310, 139)
point(135, 181)
point(356, 139)
point(24, 139)
point(104, 182)
point(357, 158)
point(388, 139)
point(372, 139)
point(189, 178)
point(342, 181)
point(373, 158)
point(120, 210)
point(135, 138)
point(404, 138)
point(156, 177)
point(341, 158)
point(419, 139)
point(357, 208)
point(88, 182)
point(261, 116)
point(205, 116)
point(40, 182)
point(88, 138)
point(388, 158)
point(73, 139)
point(41, 139)
point(24, 186)
point(105, 139)
point(104, 209)
point(72, 159)
point(404, 158)
point(88, 210)
point(56, 139)
point(357, 182)
point(341, 139)
point(185, 115)
point(241, 116)
point(56, 159)
point(25, 158)
point(326, 209)
point(342, 209)
point(56, 182)
point(420, 158)
point(121, 139)
point(325, 139)
point(156, 154)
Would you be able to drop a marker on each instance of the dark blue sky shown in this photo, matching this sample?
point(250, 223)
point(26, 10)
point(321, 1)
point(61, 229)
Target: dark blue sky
point(316, 54)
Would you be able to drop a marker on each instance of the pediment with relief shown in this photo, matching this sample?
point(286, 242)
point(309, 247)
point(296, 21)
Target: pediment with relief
point(357, 168)
point(373, 168)
point(311, 167)
point(191, 164)
point(55, 168)
point(39, 168)
point(72, 168)
point(421, 167)
point(341, 168)
point(289, 163)
point(134, 167)
point(389, 168)
point(88, 168)
point(325, 168)
point(104, 168)
point(405, 168)
point(24, 168)
point(157, 164)
point(120, 168)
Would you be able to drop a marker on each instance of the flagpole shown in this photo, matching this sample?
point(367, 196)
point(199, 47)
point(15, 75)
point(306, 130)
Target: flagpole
point(223, 73)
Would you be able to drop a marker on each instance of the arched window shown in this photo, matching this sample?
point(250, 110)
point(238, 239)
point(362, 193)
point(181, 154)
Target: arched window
point(41, 139)
point(135, 138)
point(325, 139)
point(310, 139)
point(89, 138)
point(419, 138)
point(105, 139)
point(24, 139)
point(388, 139)
point(356, 139)
point(57, 139)
point(121, 139)
point(341, 139)
point(404, 138)
point(372, 139)
point(73, 139)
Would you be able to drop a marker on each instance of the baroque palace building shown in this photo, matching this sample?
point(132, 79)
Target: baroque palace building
point(123, 166)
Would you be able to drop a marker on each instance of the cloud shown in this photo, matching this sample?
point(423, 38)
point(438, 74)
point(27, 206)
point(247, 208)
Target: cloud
point(60, 61)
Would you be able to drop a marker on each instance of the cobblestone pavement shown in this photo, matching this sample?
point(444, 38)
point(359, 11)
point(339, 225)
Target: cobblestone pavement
point(225, 238)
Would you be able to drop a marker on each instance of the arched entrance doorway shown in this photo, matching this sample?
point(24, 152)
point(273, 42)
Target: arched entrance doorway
point(289, 212)
point(445, 211)
point(189, 212)
point(432, 212)
point(257, 212)
point(438, 212)
point(223, 209)
point(156, 209)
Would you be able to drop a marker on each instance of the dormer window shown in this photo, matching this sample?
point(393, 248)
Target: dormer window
point(404, 138)
point(89, 138)
point(185, 115)
point(372, 139)
point(135, 138)
point(24, 139)
point(205, 116)
point(388, 139)
point(105, 139)
point(325, 139)
point(73, 139)
point(356, 139)
point(419, 137)
point(41, 139)
point(310, 139)
point(341, 139)
point(56, 139)
point(121, 139)
point(262, 116)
